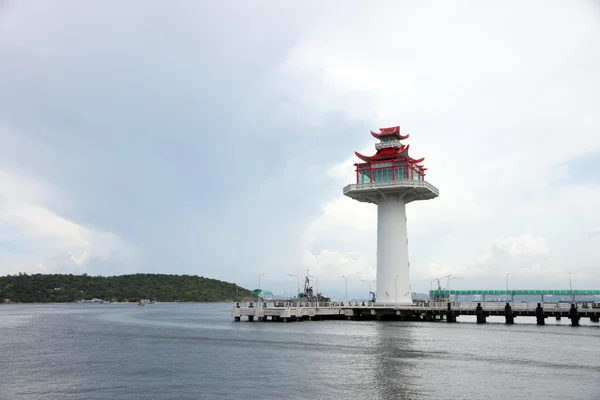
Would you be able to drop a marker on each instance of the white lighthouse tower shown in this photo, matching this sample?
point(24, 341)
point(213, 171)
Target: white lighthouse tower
point(391, 179)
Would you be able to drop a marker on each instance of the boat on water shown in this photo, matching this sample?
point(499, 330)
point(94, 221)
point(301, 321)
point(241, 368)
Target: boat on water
point(307, 294)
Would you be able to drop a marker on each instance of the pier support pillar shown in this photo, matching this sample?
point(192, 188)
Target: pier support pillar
point(264, 318)
point(450, 317)
point(481, 317)
point(508, 314)
point(237, 319)
point(250, 317)
point(539, 315)
point(558, 317)
point(574, 315)
point(595, 318)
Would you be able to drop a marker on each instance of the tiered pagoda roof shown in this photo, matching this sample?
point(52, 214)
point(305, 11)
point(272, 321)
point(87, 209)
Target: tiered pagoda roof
point(398, 151)
point(386, 132)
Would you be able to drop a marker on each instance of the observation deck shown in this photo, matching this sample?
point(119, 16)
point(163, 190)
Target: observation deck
point(369, 192)
point(375, 180)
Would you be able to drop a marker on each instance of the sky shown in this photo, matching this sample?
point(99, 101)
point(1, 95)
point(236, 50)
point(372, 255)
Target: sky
point(214, 139)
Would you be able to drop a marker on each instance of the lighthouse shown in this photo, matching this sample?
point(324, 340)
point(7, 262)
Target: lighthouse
point(391, 179)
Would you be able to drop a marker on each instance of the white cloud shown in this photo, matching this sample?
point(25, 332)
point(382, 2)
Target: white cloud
point(496, 111)
point(524, 244)
point(35, 239)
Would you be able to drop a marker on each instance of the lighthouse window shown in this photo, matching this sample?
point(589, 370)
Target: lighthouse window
point(387, 139)
point(382, 174)
point(377, 175)
point(364, 176)
point(400, 173)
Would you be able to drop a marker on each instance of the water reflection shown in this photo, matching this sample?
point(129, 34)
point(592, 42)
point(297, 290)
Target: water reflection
point(395, 359)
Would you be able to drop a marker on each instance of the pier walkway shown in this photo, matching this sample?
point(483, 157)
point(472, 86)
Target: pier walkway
point(428, 311)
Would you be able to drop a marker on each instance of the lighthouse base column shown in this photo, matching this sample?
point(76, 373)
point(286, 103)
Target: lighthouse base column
point(393, 275)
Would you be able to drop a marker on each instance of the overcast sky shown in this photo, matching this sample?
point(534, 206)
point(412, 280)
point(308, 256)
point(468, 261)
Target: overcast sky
point(214, 138)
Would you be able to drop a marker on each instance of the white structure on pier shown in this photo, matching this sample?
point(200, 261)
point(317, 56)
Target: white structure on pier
point(391, 179)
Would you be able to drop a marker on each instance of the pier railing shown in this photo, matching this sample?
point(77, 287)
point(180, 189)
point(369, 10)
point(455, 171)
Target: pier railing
point(420, 311)
point(518, 306)
point(488, 306)
point(308, 304)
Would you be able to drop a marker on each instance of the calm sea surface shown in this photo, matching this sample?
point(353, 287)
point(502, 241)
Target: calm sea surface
point(194, 351)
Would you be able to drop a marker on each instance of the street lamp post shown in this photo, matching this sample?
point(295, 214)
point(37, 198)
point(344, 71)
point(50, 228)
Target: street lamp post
point(571, 286)
point(264, 273)
point(507, 286)
point(450, 277)
point(369, 283)
point(396, 289)
point(298, 278)
point(346, 289)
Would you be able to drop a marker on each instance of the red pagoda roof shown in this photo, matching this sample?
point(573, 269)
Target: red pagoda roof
point(397, 152)
point(390, 153)
point(393, 131)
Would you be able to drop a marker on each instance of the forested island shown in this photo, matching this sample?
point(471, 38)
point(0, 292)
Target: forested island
point(42, 288)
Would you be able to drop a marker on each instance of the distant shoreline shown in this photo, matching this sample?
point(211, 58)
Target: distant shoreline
point(61, 288)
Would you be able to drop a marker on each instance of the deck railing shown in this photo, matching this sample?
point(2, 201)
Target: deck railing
point(396, 183)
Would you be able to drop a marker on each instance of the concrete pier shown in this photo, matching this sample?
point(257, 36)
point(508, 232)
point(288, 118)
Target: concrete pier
point(428, 312)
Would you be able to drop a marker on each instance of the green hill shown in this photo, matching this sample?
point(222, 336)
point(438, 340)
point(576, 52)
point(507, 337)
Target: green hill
point(68, 288)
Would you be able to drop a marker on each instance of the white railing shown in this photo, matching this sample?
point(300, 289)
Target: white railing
point(438, 305)
point(497, 306)
point(385, 145)
point(400, 183)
